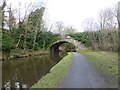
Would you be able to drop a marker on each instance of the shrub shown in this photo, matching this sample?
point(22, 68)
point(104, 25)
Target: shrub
point(7, 42)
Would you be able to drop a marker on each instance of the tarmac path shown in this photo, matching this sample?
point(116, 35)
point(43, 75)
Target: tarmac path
point(82, 75)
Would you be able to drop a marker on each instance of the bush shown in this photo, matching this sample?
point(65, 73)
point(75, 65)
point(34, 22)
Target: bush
point(7, 42)
point(98, 40)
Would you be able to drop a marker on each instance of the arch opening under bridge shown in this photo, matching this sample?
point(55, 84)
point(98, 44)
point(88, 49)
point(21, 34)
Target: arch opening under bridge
point(55, 46)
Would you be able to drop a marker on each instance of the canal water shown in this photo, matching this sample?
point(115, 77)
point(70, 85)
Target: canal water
point(25, 72)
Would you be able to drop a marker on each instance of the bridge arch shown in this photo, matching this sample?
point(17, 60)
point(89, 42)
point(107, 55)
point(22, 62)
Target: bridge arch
point(55, 46)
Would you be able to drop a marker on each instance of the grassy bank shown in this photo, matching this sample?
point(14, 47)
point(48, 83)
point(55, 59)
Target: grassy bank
point(105, 62)
point(56, 74)
point(21, 54)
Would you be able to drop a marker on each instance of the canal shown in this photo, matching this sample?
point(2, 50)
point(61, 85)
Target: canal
point(27, 71)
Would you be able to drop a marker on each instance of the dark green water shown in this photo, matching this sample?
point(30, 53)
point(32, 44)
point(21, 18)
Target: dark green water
point(27, 71)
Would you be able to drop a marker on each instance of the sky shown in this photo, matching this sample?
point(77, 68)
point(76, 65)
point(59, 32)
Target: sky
point(70, 12)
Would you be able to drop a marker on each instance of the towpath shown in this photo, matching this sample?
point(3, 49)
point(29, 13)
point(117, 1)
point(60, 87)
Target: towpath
point(82, 75)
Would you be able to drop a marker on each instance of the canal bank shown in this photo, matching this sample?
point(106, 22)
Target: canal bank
point(56, 74)
point(21, 54)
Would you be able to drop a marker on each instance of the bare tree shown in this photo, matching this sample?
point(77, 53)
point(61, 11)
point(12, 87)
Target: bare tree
point(89, 24)
point(60, 26)
point(28, 9)
point(3, 13)
point(118, 14)
point(69, 30)
point(11, 20)
point(107, 19)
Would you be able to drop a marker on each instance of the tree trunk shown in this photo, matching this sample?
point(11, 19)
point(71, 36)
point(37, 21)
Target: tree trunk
point(18, 41)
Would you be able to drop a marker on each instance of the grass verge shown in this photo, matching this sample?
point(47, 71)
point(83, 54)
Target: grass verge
point(56, 74)
point(105, 62)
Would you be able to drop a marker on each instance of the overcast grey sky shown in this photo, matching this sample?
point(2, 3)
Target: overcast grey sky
point(70, 12)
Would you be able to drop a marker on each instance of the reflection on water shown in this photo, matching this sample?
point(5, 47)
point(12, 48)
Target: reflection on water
point(24, 72)
point(63, 53)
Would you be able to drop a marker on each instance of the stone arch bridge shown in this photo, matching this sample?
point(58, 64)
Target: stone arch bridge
point(55, 46)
